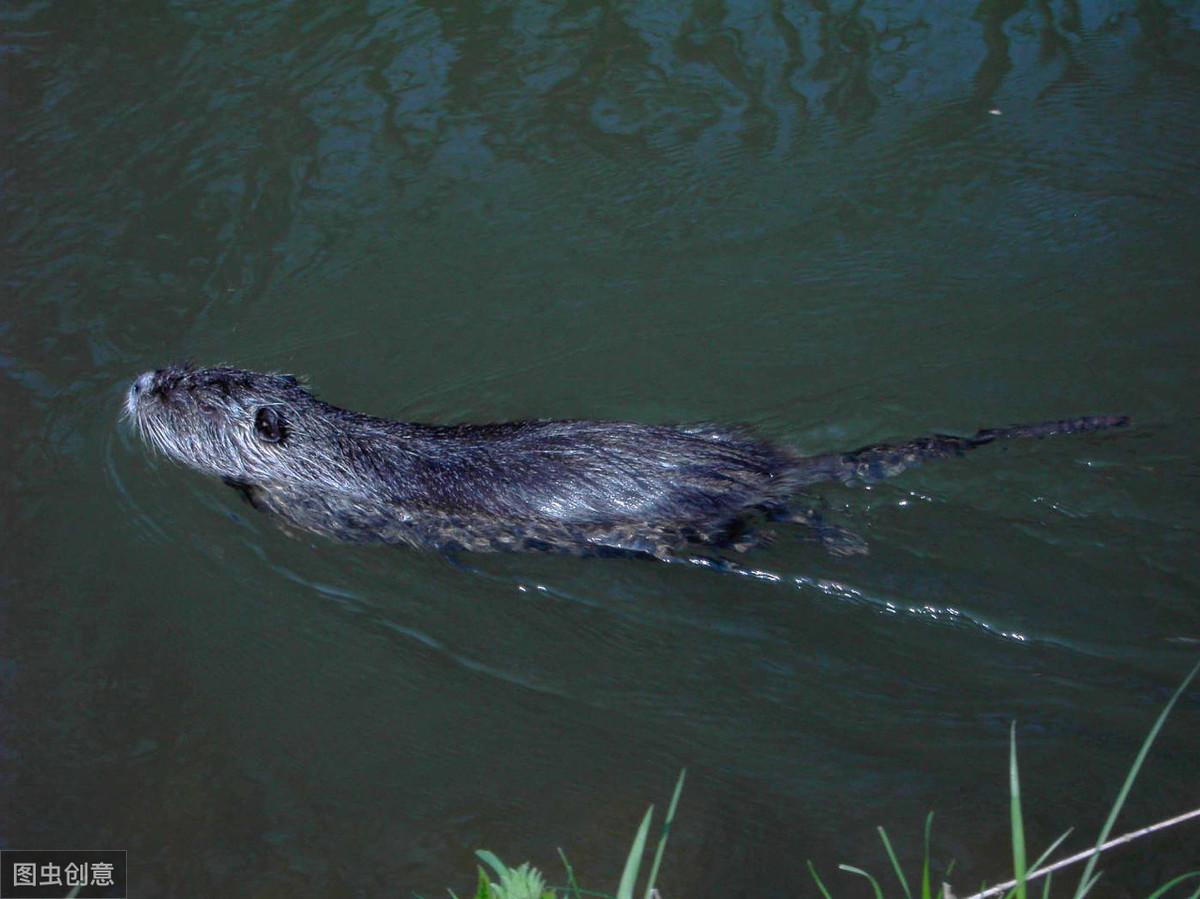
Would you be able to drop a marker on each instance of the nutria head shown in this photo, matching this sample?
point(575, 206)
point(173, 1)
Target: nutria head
point(243, 426)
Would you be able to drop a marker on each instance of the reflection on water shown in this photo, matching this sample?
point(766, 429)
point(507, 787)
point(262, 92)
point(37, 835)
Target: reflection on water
point(837, 222)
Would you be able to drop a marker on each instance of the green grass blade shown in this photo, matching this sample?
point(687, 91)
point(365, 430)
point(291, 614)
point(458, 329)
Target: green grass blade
point(1191, 875)
point(820, 885)
point(946, 878)
point(1046, 886)
point(629, 875)
point(1133, 773)
point(887, 844)
point(925, 894)
point(1041, 858)
point(570, 874)
point(492, 861)
point(1045, 855)
point(483, 887)
point(1087, 887)
point(666, 832)
point(862, 873)
point(1018, 826)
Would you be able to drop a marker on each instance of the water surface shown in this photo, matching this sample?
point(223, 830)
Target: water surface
point(836, 223)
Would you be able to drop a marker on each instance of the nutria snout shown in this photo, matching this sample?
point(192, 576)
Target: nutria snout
point(577, 486)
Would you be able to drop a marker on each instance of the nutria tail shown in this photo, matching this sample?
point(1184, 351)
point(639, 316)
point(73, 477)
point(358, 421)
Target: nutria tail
point(1051, 428)
point(883, 460)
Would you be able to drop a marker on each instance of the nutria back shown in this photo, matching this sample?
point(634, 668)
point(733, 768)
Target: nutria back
point(569, 485)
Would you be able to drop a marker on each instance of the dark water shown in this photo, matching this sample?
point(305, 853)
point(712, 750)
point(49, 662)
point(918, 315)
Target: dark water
point(837, 223)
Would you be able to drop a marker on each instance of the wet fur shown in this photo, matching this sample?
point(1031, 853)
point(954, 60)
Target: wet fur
point(582, 487)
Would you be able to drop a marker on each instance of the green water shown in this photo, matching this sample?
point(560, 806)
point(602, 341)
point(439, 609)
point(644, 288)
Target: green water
point(835, 223)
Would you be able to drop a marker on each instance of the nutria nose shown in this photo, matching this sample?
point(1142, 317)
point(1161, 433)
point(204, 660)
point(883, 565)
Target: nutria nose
point(143, 382)
point(141, 385)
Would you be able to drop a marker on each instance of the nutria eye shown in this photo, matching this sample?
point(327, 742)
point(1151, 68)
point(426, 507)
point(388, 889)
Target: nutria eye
point(269, 426)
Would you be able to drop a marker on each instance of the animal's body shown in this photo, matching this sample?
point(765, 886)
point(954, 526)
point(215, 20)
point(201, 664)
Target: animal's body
point(582, 487)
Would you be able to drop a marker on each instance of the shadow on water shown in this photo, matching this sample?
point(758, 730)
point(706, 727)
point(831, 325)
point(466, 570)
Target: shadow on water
point(836, 223)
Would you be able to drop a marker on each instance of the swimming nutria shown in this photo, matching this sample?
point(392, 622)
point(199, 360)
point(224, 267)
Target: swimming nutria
point(583, 487)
